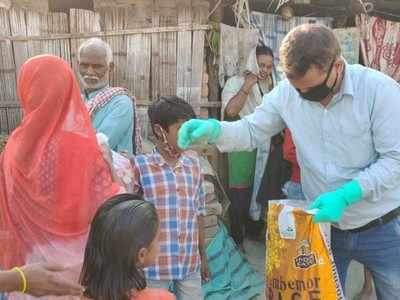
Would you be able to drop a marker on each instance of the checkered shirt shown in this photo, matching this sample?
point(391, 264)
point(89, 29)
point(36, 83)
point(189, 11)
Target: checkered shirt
point(178, 196)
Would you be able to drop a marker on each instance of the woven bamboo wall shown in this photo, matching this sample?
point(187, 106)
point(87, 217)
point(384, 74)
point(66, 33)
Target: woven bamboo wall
point(5, 4)
point(35, 5)
point(158, 48)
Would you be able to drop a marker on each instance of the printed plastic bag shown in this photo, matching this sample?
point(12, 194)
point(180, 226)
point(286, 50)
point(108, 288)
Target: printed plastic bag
point(120, 163)
point(299, 262)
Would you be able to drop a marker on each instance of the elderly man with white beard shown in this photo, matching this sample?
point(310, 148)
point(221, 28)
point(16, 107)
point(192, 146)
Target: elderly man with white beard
point(111, 108)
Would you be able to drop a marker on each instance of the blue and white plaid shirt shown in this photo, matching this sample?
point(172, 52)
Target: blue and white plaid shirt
point(178, 196)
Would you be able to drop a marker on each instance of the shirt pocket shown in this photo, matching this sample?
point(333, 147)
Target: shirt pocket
point(354, 144)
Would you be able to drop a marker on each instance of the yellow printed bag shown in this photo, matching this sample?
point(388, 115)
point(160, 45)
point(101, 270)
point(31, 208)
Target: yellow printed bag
point(299, 263)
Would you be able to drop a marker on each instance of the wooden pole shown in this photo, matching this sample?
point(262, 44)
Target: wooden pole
point(179, 28)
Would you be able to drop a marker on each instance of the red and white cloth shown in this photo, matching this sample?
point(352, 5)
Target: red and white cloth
point(380, 44)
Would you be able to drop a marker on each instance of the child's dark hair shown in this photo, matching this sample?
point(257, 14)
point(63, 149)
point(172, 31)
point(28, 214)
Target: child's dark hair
point(121, 227)
point(264, 50)
point(168, 110)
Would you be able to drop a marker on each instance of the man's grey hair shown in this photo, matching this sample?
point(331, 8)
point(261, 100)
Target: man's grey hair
point(96, 42)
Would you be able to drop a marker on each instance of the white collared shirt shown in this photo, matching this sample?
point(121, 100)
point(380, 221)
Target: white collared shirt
point(357, 136)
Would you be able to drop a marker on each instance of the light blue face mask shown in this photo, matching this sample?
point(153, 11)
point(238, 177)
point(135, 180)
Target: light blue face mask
point(167, 147)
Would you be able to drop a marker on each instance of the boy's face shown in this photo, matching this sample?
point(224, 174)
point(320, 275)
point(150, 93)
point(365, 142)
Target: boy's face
point(172, 134)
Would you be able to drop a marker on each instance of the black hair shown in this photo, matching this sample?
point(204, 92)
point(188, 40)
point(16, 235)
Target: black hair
point(168, 110)
point(120, 228)
point(264, 50)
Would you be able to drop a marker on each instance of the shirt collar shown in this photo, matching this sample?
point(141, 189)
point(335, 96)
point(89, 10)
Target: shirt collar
point(157, 159)
point(346, 87)
point(92, 94)
point(347, 83)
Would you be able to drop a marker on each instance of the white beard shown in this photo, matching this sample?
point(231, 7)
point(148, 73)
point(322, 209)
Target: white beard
point(101, 82)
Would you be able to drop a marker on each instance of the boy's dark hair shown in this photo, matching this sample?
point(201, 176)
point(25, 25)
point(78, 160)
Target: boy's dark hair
point(168, 110)
point(306, 45)
point(264, 50)
point(121, 227)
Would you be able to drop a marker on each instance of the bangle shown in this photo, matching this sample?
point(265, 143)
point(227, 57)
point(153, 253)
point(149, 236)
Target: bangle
point(244, 92)
point(23, 277)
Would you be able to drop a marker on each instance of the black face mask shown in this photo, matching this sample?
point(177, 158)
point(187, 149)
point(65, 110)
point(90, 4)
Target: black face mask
point(321, 91)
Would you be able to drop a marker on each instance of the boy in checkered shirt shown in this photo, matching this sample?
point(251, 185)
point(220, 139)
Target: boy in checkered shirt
point(171, 180)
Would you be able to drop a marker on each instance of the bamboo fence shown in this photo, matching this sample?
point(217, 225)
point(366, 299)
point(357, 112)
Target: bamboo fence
point(158, 49)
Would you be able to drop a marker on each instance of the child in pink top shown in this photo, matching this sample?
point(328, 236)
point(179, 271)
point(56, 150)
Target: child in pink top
point(123, 239)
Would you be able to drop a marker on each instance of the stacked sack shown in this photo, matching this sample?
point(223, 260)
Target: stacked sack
point(214, 208)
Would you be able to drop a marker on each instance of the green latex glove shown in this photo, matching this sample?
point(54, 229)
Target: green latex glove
point(195, 129)
point(332, 205)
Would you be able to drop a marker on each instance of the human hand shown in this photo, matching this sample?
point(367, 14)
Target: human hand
point(205, 275)
point(250, 80)
point(195, 129)
point(43, 280)
point(331, 205)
